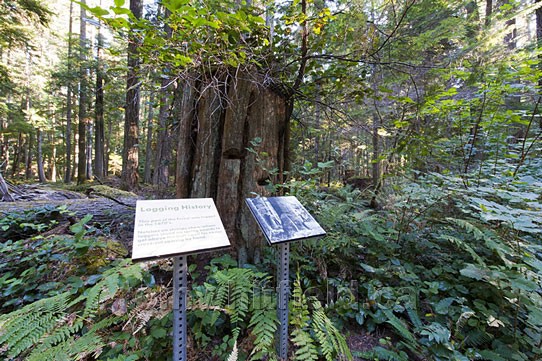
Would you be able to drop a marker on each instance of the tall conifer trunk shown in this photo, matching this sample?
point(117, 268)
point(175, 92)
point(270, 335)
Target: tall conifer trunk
point(81, 143)
point(130, 155)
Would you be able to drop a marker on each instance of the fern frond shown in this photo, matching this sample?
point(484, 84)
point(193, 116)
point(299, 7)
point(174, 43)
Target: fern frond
point(464, 246)
point(400, 327)
point(264, 324)
point(305, 348)
point(414, 318)
point(477, 338)
point(491, 355)
point(234, 354)
point(74, 349)
point(25, 327)
point(469, 227)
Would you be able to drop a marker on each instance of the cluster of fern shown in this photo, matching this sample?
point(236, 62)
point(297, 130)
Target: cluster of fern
point(436, 273)
point(67, 326)
point(239, 305)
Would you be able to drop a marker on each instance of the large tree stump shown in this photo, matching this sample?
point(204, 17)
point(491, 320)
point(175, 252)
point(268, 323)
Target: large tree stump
point(220, 118)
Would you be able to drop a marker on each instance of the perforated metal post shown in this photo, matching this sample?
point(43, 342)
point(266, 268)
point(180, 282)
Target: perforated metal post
point(180, 269)
point(283, 291)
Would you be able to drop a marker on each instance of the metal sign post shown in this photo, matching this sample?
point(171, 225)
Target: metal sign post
point(180, 270)
point(175, 228)
point(283, 291)
point(282, 220)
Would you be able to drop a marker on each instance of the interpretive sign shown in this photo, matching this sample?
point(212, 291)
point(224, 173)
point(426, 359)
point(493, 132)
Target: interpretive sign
point(177, 227)
point(169, 227)
point(283, 219)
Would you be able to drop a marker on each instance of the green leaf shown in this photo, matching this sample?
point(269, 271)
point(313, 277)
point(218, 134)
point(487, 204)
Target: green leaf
point(474, 272)
point(158, 332)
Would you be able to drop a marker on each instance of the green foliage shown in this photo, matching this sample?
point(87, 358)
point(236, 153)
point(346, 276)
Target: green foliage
point(235, 302)
point(68, 325)
point(313, 333)
point(45, 266)
point(431, 268)
point(15, 226)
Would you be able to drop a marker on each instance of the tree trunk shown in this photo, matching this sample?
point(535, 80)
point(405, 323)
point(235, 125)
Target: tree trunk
point(99, 136)
point(130, 159)
point(68, 137)
point(376, 153)
point(219, 118)
point(489, 11)
point(163, 144)
point(28, 157)
point(163, 150)
point(17, 154)
point(41, 170)
point(147, 178)
point(52, 170)
point(81, 143)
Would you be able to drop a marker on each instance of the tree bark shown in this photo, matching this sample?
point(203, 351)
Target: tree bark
point(99, 136)
point(28, 157)
point(220, 117)
point(163, 144)
point(147, 178)
point(81, 143)
point(68, 137)
point(163, 149)
point(130, 159)
point(41, 170)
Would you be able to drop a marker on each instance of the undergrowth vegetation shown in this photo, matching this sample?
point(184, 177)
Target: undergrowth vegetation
point(439, 272)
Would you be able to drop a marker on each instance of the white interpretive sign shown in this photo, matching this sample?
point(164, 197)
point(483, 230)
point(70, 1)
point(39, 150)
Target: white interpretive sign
point(169, 227)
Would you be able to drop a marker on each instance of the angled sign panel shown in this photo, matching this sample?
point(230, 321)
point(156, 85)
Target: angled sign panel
point(283, 219)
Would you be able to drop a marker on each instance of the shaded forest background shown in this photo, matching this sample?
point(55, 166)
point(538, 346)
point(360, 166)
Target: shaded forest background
point(411, 129)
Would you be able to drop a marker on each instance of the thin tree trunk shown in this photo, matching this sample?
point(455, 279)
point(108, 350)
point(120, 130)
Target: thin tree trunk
point(81, 143)
point(163, 149)
point(108, 146)
point(163, 144)
point(147, 178)
point(68, 136)
point(89, 131)
point(130, 161)
point(41, 170)
point(376, 152)
point(99, 136)
point(28, 158)
point(489, 11)
point(17, 154)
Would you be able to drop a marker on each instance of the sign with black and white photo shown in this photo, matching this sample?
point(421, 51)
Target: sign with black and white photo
point(283, 219)
point(169, 227)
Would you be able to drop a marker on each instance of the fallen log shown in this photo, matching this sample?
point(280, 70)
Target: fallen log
point(115, 215)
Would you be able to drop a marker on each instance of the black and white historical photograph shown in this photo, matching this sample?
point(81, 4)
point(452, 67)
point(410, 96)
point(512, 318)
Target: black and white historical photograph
point(283, 219)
